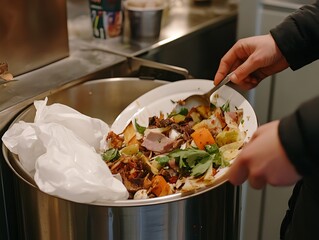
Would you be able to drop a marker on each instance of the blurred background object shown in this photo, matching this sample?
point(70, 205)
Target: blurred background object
point(106, 17)
point(33, 34)
point(144, 19)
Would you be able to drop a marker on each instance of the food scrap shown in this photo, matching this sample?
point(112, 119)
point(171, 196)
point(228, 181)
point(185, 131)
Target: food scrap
point(177, 152)
point(4, 73)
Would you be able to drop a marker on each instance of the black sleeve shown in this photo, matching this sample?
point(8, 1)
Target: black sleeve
point(297, 36)
point(299, 135)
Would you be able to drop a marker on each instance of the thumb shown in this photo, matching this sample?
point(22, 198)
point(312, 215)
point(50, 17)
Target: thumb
point(243, 71)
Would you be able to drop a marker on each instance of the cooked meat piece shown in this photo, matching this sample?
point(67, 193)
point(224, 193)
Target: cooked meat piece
point(158, 142)
point(233, 119)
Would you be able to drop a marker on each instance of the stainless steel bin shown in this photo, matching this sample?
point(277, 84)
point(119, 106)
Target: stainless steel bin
point(213, 214)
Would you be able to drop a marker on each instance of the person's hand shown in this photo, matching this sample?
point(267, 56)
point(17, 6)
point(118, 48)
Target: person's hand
point(251, 60)
point(263, 161)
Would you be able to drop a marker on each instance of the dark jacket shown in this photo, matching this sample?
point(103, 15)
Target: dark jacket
point(298, 40)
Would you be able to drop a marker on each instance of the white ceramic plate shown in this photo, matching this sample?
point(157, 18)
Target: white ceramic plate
point(161, 99)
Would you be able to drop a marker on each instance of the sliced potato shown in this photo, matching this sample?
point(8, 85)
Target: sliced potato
point(178, 118)
point(204, 111)
point(196, 117)
point(230, 151)
point(148, 164)
point(129, 134)
point(228, 136)
point(130, 149)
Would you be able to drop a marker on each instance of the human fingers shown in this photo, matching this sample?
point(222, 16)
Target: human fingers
point(243, 169)
point(267, 165)
point(249, 82)
point(262, 59)
point(239, 170)
point(238, 173)
point(249, 73)
point(222, 72)
point(257, 182)
point(276, 168)
point(229, 62)
point(247, 166)
point(244, 64)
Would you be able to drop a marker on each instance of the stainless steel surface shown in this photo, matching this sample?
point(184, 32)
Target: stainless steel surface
point(209, 215)
point(183, 19)
point(145, 25)
point(54, 77)
point(82, 66)
point(17, 167)
point(33, 34)
point(89, 56)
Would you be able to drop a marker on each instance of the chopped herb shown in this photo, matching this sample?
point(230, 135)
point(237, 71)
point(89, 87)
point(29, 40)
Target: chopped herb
point(183, 111)
point(226, 106)
point(191, 154)
point(202, 166)
point(140, 129)
point(198, 161)
point(189, 158)
point(182, 164)
point(218, 159)
point(111, 154)
point(212, 106)
point(162, 160)
point(213, 148)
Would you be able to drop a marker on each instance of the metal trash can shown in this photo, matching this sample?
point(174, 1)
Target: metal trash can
point(213, 214)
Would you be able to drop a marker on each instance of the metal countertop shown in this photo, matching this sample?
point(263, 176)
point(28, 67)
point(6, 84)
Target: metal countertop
point(181, 20)
point(89, 55)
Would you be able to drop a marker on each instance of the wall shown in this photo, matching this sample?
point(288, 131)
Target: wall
point(274, 98)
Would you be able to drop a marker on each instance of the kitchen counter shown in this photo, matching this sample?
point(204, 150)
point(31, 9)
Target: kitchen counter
point(181, 20)
point(89, 56)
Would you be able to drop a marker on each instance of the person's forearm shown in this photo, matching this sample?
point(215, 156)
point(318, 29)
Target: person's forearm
point(298, 36)
point(299, 135)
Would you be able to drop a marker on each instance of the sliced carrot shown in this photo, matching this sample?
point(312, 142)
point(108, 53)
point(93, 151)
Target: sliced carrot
point(160, 187)
point(202, 137)
point(214, 171)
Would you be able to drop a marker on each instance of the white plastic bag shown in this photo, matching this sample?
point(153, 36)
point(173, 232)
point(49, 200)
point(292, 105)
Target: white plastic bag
point(22, 140)
point(91, 130)
point(64, 164)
